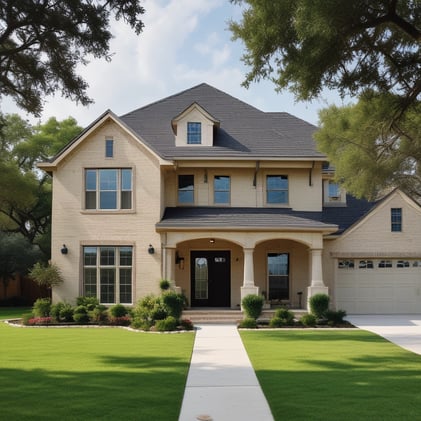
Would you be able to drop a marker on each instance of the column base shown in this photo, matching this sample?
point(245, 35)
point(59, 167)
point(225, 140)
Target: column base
point(315, 290)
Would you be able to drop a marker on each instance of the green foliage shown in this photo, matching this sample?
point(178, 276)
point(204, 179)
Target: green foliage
point(43, 43)
point(308, 320)
point(335, 317)
point(118, 310)
point(319, 304)
point(310, 45)
point(253, 305)
point(248, 323)
point(42, 307)
point(174, 303)
point(147, 310)
point(167, 324)
point(164, 285)
point(26, 317)
point(47, 276)
point(286, 315)
point(99, 314)
point(89, 302)
point(62, 312)
point(80, 314)
point(186, 324)
point(277, 322)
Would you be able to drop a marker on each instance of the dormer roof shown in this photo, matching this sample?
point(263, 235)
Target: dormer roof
point(193, 107)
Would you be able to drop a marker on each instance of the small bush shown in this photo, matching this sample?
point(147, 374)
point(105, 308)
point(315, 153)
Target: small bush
point(286, 315)
point(47, 276)
point(164, 285)
point(80, 315)
point(99, 314)
point(118, 310)
point(335, 317)
point(319, 305)
point(308, 320)
point(89, 302)
point(248, 323)
point(55, 310)
point(120, 321)
point(141, 324)
point(42, 307)
point(40, 321)
point(253, 305)
point(26, 317)
point(167, 324)
point(277, 322)
point(186, 324)
point(174, 304)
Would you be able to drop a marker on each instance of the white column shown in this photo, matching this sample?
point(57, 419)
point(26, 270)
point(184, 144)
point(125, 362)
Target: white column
point(169, 272)
point(248, 277)
point(317, 285)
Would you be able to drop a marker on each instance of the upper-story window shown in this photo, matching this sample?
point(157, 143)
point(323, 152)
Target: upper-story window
point(277, 189)
point(186, 189)
point(396, 219)
point(108, 189)
point(221, 189)
point(194, 133)
point(334, 191)
point(109, 148)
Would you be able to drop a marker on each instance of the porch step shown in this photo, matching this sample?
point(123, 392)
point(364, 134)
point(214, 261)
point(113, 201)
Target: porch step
point(229, 316)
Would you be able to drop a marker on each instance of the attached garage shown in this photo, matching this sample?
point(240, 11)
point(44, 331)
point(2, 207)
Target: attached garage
point(378, 286)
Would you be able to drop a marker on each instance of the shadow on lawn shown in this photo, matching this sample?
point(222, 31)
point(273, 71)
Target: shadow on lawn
point(125, 389)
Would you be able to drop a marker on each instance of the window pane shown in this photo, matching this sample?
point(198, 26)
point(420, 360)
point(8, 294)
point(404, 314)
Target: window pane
point(126, 179)
point(277, 182)
point(221, 189)
point(107, 285)
point(277, 197)
point(201, 278)
point(278, 271)
point(108, 200)
point(89, 277)
point(108, 179)
point(107, 256)
point(126, 200)
point(125, 256)
point(125, 285)
point(109, 148)
point(89, 256)
point(90, 179)
point(396, 219)
point(334, 190)
point(221, 197)
point(186, 189)
point(194, 133)
point(90, 200)
point(277, 189)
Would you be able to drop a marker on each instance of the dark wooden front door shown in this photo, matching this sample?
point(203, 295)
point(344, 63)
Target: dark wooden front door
point(210, 278)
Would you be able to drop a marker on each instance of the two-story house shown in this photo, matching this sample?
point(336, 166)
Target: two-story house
point(223, 200)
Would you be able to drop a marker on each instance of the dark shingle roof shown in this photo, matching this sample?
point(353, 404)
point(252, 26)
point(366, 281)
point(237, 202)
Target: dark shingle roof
point(244, 130)
point(223, 218)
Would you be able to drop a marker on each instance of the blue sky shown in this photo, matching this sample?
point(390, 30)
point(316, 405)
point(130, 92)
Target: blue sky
point(184, 43)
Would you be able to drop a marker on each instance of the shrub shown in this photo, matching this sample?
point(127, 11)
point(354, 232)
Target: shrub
point(147, 311)
point(286, 315)
point(118, 310)
point(319, 304)
point(99, 314)
point(252, 305)
point(120, 321)
point(174, 304)
point(167, 324)
point(308, 320)
point(55, 310)
point(26, 317)
point(277, 322)
point(47, 276)
point(164, 285)
point(186, 324)
point(39, 321)
point(335, 317)
point(80, 315)
point(248, 323)
point(62, 312)
point(42, 307)
point(89, 302)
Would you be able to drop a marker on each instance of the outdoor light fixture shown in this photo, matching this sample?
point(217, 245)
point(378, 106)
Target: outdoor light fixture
point(179, 261)
point(212, 240)
point(64, 249)
point(151, 250)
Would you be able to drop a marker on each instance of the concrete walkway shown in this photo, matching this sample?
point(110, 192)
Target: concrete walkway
point(221, 384)
point(402, 329)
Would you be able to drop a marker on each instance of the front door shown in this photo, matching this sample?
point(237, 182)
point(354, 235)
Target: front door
point(210, 278)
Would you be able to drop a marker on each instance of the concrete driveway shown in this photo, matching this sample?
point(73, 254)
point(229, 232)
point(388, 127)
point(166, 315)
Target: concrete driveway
point(401, 329)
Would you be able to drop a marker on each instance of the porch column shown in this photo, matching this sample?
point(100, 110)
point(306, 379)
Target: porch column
point(248, 280)
point(317, 285)
point(169, 270)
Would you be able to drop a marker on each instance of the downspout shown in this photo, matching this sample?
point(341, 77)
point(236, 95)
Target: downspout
point(310, 174)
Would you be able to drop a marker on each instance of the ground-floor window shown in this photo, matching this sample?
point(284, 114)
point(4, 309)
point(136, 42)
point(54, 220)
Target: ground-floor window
point(107, 273)
point(278, 276)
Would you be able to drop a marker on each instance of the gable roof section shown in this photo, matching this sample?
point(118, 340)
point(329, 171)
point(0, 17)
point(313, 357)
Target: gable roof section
point(244, 132)
point(107, 115)
point(194, 106)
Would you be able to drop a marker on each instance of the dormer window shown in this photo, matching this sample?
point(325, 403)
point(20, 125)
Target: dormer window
point(334, 191)
point(333, 194)
point(194, 133)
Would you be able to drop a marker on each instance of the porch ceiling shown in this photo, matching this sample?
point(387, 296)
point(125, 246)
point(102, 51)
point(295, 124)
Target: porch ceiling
point(236, 219)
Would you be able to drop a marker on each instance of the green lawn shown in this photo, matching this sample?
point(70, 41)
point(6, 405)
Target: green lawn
point(92, 374)
point(335, 375)
point(13, 312)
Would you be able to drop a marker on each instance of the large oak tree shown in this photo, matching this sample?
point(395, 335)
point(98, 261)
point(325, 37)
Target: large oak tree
point(43, 41)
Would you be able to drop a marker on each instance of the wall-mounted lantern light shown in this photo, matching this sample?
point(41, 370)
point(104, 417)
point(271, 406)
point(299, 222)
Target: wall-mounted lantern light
point(151, 250)
point(64, 249)
point(212, 240)
point(179, 261)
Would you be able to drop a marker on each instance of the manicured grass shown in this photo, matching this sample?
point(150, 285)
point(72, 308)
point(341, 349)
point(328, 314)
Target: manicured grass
point(13, 312)
point(335, 375)
point(92, 374)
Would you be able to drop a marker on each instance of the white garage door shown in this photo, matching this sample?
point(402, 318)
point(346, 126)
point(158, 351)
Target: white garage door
point(378, 286)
